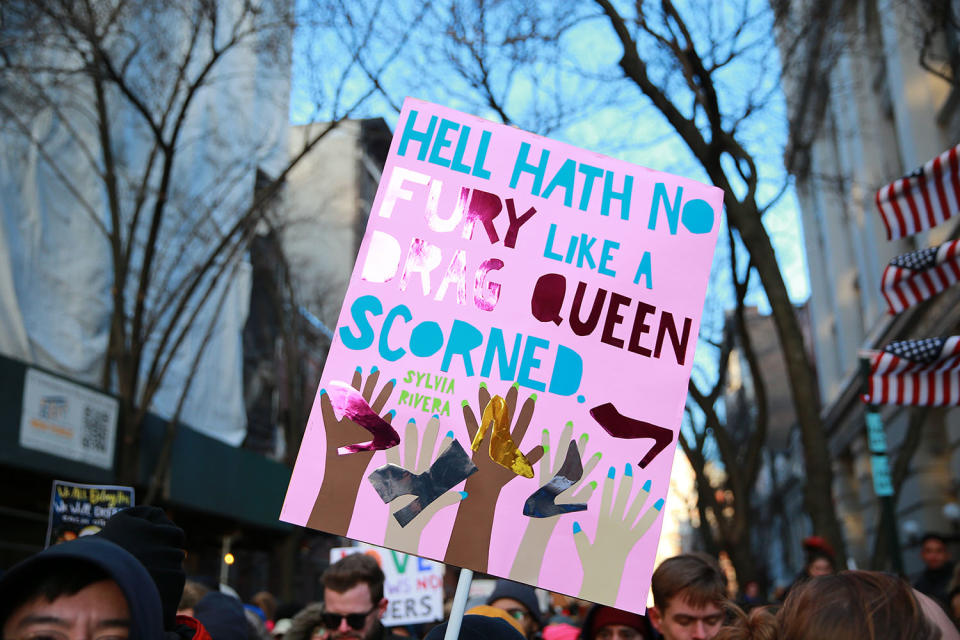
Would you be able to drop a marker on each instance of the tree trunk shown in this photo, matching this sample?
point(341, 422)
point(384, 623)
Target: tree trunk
point(818, 489)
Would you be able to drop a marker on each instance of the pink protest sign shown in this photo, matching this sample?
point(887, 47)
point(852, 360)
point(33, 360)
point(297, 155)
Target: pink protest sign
point(510, 365)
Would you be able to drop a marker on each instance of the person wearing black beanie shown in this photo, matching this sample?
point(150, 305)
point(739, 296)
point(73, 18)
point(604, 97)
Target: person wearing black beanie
point(153, 539)
point(479, 627)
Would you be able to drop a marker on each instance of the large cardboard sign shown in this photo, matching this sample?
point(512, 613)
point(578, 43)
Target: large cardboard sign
point(412, 586)
point(78, 510)
point(510, 365)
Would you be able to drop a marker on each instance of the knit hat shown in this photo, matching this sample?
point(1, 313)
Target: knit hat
point(150, 536)
point(607, 616)
point(522, 593)
point(475, 627)
point(495, 612)
point(223, 616)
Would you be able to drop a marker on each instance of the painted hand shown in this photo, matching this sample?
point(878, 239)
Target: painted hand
point(470, 539)
point(618, 531)
point(529, 558)
point(342, 474)
point(407, 537)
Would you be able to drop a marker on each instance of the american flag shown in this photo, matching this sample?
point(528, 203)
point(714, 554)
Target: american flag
point(916, 372)
point(923, 199)
point(913, 277)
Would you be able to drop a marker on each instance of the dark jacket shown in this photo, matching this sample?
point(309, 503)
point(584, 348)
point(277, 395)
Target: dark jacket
point(136, 584)
point(934, 583)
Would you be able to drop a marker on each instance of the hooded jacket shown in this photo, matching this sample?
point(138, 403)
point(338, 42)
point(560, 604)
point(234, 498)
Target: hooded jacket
point(136, 584)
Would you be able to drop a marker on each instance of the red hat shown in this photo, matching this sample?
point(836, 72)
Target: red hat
point(607, 616)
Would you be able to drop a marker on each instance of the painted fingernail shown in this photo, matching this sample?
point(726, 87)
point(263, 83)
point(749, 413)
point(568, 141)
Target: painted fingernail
point(411, 421)
point(611, 473)
point(533, 397)
point(392, 413)
point(515, 385)
point(658, 505)
point(464, 403)
point(585, 437)
point(463, 495)
point(374, 369)
point(393, 381)
point(576, 528)
point(436, 416)
point(546, 448)
point(483, 385)
point(598, 455)
point(646, 486)
point(592, 484)
point(628, 470)
point(546, 432)
point(359, 369)
point(450, 434)
point(323, 391)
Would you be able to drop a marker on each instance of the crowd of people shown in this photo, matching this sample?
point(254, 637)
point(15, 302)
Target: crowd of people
point(127, 583)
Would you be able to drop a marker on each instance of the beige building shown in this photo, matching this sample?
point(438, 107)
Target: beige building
point(326, 203)
point(864, 112)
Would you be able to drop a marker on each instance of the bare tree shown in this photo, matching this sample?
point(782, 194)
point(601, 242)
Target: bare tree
point(166, 111)
point(724, 500)
point(708, 75)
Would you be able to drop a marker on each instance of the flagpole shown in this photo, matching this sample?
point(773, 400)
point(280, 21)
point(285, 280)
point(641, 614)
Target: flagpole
point(880, 466)
point(459, 604)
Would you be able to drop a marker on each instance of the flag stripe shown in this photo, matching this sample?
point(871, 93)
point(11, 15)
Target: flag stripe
point(922, 199)
point(912, 278)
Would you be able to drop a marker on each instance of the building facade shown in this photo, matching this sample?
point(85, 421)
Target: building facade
point(868, 104)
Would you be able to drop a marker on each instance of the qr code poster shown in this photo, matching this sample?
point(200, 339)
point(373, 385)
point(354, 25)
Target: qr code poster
point(64, 419)
point(78, 510)
point(510, 365)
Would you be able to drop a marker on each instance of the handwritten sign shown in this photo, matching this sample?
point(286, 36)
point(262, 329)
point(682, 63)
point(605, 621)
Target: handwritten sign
point(82, 509)
point(510, 365)
point(412, 586)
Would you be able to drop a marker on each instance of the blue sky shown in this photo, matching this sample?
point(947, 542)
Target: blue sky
point(612, 118)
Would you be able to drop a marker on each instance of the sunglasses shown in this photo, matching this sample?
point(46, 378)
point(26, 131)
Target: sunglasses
point(354, 620)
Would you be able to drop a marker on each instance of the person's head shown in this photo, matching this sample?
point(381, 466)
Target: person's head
point(854, 604)
point(478, 627)
point(818, 564)
point(933, 551)
point(758, 624)
point(223, 616)
point(819, 557)
point(266, 602)
point(83, 589)
point(689, 596)
point(193, 593)
point(353, 597)
point(953, 602)
point(520, 601)
point(607, 623)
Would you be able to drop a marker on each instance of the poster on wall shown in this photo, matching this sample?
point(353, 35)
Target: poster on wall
point(78, 510)
point(68, 420)
point(412, 586)
point(509, 368)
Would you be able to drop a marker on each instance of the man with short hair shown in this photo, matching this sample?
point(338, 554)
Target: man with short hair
point(937, 568)
point(353, 599)
point(85, 588)
point(689, 596)
point(520, 602)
